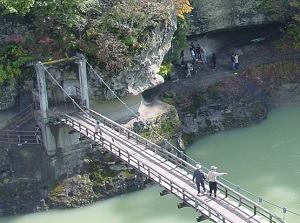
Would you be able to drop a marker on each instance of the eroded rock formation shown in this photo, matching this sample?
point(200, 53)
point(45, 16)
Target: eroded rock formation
point(209, 16)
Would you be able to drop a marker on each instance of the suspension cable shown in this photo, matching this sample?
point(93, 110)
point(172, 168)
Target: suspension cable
point(135, 115)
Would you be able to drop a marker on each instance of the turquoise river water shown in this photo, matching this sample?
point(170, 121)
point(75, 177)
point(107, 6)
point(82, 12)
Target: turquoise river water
point(263, 159)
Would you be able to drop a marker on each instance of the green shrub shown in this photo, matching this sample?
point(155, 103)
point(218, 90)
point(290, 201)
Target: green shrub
point(6, 181)
point(165, 69)
point(57, 190)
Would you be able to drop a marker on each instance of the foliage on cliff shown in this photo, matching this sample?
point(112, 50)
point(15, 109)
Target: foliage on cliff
point(108, 32)
point(271, 76)
point(286, 10)
point(183, 7)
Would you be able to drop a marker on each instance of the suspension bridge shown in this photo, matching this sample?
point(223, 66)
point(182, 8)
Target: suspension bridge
point(163, 166)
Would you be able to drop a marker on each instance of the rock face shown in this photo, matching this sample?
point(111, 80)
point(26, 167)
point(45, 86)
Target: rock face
point(143, 74)
point(225, 14)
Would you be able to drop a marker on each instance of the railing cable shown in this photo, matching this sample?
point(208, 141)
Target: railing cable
point(134, 113)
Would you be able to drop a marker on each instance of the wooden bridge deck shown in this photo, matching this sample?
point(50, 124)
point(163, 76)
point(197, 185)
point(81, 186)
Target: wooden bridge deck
point(170, 172)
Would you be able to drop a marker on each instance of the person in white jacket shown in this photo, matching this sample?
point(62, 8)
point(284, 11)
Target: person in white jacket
point(212, 179)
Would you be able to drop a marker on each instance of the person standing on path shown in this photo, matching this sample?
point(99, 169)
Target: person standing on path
point(198, 51)
point(233, 61)
point(203, 55)
point(236, 61)
point(212, 179)
point(200, 177)
point(182, 56)
point(193, 54)
point(214, 60)
point(189, 69)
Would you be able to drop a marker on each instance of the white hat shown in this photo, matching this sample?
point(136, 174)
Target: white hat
point(213, 167)
point(198, 166)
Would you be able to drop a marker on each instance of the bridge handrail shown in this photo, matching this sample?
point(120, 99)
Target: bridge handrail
point(228, 192)
point(184, 164)
point(22, 117)
point(125, 156)
point(247, 202)
point(114, 125)
point(11, 137)
point(173, 187)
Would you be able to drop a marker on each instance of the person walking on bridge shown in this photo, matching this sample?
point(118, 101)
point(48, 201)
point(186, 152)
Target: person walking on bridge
point(200, 177)
point(97, 129)
point(212, 179)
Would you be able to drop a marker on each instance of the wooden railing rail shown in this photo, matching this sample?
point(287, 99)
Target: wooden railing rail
point(22, 117)
point(10, 137)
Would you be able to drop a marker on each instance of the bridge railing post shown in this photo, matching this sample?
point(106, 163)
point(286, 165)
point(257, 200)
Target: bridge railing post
point(128, 157)
point(138, 165)
point(226, 193)
point(119, 150)
point(240, 201)
point(183, 193)
point(87, 132)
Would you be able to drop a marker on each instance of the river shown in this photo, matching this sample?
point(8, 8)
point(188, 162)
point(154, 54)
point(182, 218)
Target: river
point(263, 159)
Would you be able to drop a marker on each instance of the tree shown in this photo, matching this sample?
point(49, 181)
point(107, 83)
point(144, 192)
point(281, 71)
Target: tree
point(183, 7)
point(287, 11)
point(108, 32)
point(20, 7)
point(294, 26)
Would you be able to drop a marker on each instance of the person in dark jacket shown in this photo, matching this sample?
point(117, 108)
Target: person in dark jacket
point(233, 61)
point(200, 177)
point(214, 60)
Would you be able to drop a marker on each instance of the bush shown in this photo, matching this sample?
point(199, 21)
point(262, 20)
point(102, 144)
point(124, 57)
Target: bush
point(166, 69)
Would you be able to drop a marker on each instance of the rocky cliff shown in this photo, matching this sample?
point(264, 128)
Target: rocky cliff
point(128, 47)
point(143, 71)
point(209, 16)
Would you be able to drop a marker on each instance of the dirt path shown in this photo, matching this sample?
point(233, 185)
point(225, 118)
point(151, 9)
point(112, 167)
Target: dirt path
point(204, 75)
point(222, 43)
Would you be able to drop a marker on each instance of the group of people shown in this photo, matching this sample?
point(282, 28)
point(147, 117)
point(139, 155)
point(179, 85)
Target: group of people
point(20, 133)
point(197, 54)
point(199, 176)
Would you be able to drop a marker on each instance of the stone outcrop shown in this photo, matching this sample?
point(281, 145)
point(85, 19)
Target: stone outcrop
point(143, 72)
point(209, 15)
